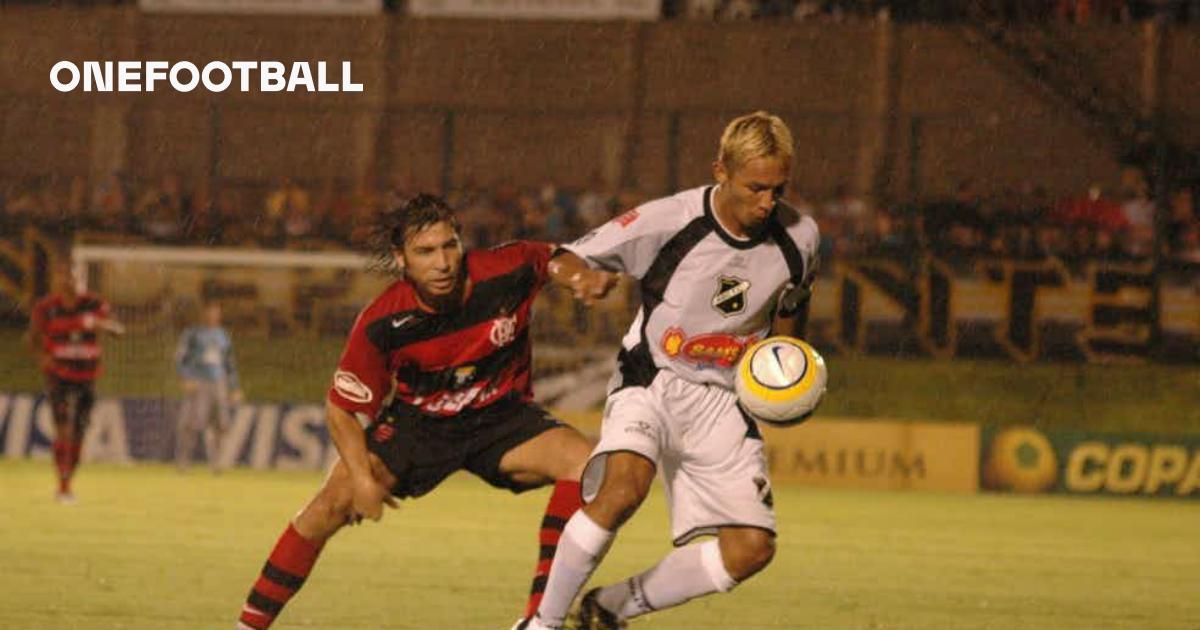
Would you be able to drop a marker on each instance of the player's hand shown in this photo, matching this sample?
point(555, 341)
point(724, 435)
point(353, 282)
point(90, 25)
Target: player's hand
point(190, 386)
point(236, 397)
point(590, 285)
point(112, 326)
point(369, 498)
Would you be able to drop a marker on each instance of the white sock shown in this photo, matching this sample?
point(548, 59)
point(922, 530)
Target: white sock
point(581, 547)
point(686, 573)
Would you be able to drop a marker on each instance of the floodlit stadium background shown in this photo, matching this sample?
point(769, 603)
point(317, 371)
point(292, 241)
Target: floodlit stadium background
point(1009, 302)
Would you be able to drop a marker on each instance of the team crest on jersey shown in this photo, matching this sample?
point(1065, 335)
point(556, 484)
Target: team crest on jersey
point(707, 350)
point(504, 330)
point(730, 298)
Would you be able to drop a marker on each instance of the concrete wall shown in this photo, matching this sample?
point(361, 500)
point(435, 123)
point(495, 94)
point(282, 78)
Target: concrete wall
point(528, 101)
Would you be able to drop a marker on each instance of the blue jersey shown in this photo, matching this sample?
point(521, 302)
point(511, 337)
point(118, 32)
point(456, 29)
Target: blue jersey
point(206, 354)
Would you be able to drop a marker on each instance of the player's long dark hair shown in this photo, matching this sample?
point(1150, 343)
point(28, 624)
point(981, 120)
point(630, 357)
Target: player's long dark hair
point(395, 224)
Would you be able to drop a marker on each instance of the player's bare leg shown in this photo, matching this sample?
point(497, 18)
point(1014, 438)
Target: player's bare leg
point(588, 535)
point(713, 566)
point(745, 550)
point(559, 456)
point(301, 543)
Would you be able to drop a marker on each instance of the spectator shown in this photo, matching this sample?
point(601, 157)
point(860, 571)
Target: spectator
point(703, 9)
point(110, 200)
point(1183, 216)
point(1093, 210)
point(1188, 245)
point(595, 204)
point(288, 199)
point(806, 10)
point(162, 210)
point(738, 10)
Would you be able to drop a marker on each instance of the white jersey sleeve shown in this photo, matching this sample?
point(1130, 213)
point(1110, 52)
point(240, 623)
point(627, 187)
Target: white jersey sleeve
point(629, 243)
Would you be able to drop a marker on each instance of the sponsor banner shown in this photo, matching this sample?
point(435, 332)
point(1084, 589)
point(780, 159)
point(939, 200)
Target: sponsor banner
point(878, 455)
point(285, 436)
point(538, 9)
point(327, 7)
point(1028, 460)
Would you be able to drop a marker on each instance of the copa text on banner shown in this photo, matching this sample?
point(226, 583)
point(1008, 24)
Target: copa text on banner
point(1029, 460)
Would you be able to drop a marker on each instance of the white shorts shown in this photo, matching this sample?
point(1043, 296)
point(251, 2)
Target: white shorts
point(710, 454)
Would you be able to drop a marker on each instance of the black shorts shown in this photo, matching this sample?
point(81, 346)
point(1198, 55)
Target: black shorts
point(421, 450)
point(71, 401)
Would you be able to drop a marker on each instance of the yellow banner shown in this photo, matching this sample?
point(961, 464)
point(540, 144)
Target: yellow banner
point(877, 455)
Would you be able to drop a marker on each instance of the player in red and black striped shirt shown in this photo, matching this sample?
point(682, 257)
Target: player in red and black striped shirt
point(64, 331)
point(449, 346)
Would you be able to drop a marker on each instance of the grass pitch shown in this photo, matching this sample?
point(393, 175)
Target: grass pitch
point(149, 548)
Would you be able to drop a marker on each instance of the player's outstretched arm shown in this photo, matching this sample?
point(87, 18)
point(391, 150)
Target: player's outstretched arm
point(587, 284)
point(351, 443)
point(36, 341)
point(111, 326)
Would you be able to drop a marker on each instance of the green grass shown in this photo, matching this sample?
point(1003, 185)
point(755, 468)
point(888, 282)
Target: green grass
point(149, 548)
point(1150, 397)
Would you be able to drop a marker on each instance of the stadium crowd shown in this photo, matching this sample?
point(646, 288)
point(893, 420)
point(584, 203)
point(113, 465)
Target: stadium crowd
point(1074, 11)
point(1025, 223)
point(1065, 11)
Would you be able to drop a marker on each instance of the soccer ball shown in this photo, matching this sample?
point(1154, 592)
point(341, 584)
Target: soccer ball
point(780, 380)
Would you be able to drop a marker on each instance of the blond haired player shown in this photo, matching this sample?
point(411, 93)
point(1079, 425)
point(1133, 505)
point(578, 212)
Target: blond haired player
point(720, 267)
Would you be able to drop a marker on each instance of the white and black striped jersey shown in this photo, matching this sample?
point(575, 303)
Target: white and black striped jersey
point(706, 294)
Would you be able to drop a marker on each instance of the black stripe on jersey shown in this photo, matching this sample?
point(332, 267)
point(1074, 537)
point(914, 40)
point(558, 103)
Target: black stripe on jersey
point(88, 336)
point(78, 365)
point(791, 253)
point(504, 292)
point(636, 365)
point(424, 383)
point(84, 305)
point(735, 243)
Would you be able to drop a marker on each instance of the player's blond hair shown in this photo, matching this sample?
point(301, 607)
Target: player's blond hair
point(754, 136)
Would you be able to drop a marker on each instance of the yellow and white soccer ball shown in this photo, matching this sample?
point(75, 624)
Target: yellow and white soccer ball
point(780, 380)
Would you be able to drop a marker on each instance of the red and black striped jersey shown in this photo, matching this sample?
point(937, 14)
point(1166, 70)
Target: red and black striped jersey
point(70, 336)
point(447, 362)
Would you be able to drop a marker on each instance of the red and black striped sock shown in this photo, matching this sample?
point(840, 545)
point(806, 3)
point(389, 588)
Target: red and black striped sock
point(74, 449)
point(62, 455)
point(563, 503)
point(284, 573)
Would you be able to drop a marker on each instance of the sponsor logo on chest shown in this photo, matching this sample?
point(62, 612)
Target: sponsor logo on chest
point(707, 350)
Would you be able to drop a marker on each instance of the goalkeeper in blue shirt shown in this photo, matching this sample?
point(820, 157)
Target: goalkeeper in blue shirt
point(205, 363)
